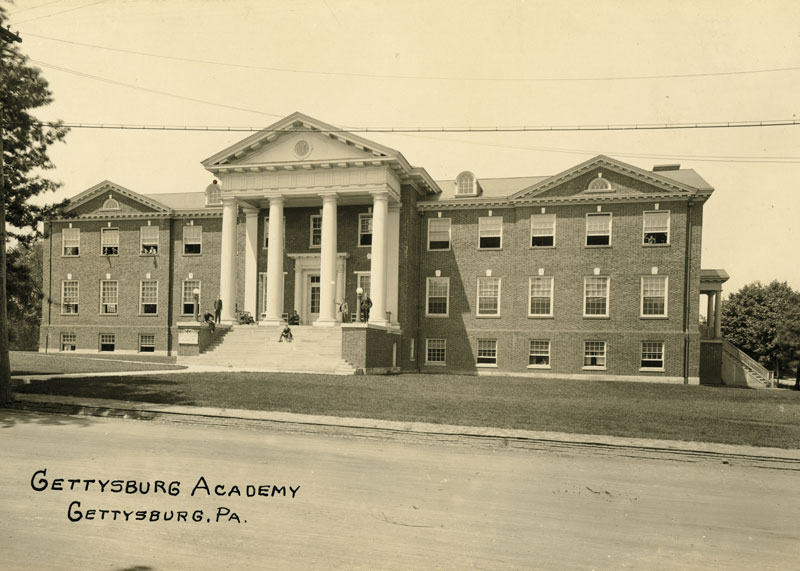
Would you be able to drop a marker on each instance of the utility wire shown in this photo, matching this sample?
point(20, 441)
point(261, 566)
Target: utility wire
point(57, 13)
point(15, 12)
point(420, 77)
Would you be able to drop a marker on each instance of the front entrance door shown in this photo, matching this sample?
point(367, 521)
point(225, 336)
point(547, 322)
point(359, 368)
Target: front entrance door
point(313, 297)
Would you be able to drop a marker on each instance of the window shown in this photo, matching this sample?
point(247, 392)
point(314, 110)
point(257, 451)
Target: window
point(266, 232)
point(109, 296)
point(109, 241)
point(656, 227)
point(363, 282)
point(316, 231)
point(188, 296)
point(438, 293)
point(541, 296)
point(110, 204)
point(487, 351)
point(490, 232)
point(543, 230)
point(539, 357)
point(599, 184)
point(594, 355)
point(147, 343)
point(148, 238)
point(71, 242)
point(68, 341)
point(465, 184)
point(595, 296)
point(435, 350)
point(365, 229)
point(598, 229)
point(69, 297)
point(438, 234)
point(107, 342)
point(488, 296)
point(148, 297)
point(192, 240)
point(653, 355)
point(213, 194)
point(654, 296)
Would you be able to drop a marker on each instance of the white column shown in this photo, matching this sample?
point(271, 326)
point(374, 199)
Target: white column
point(380, 206)
point(251, 261)
point(710, 313)
point(340, 277)
point(275, 262)
point(393, 260)
point(718, 314)
point(227, 272)
point(327, 263)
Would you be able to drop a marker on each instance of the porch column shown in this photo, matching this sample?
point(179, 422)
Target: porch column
point(275, 262)
point(251, 261)
point(393, 261)
point(710, 313)
point(327, 262)
point(380, 206)
point(718, 314)
point(227, 271)
point(340, 278)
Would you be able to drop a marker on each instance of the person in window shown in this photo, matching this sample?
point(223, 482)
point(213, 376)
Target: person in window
point(286, 334)
point(209, 318)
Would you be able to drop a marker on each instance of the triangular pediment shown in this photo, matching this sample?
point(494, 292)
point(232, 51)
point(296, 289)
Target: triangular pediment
point(112, 199)
point(300, 139)
point(603, 177)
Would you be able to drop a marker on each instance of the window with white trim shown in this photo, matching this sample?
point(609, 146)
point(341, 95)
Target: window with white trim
point(655, 227)
point(109, 241)
point(598, 229)
point(540, 290)
point(594, 355)
point(488, 296)
point(490, 232)
point(543, 230)
point(110, 204)
point(148, 240)
point(365, 229)
point(187, 307)
point(435, 350)
point(147, 343)
point(363, 282)
point(438, 233)
point(654, 296)
point(108, 342)
point(192, 240)
point(71, 242)
point(466, 184)
point(315, 237)
point(148, 297)
point(69, 297)
point(437, 296)
point(109, 297)
point(487, 351)
point(595, 296)
point(599, 184)
point(539, 355)
point(653, 355)
point(68, 341)
point(266, 232)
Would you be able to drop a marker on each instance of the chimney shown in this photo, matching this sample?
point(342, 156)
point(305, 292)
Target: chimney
point(662, 168)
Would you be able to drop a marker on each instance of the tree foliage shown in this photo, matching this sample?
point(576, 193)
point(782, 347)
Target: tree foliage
point(764, 321)
point(24, 292)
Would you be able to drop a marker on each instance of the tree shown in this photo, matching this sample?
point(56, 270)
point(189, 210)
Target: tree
point(788, 338)
point(24, 292)
point(756, 319)
point(25, 143)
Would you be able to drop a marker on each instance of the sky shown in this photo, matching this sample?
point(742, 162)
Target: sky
point(443, 64)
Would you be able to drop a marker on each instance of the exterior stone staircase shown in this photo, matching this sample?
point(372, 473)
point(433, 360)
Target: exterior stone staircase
point(740, 370)
point(254, 348)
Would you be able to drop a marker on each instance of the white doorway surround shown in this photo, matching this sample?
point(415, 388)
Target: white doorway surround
point(306, 266)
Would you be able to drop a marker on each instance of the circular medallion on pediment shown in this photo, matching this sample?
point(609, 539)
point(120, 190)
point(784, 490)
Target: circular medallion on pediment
point(302, 149)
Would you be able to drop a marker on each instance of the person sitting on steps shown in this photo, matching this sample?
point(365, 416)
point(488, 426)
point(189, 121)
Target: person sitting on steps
point(286, 334)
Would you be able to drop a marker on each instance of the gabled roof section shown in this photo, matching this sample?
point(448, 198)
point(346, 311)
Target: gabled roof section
point(672, 184)
point(108, 186)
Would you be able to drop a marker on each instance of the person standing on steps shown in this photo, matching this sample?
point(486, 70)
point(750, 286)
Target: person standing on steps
point(344, 309)
point(217, 310)
point(366, 304)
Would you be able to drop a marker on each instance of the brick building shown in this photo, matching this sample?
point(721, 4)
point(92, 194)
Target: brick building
point(593, 271)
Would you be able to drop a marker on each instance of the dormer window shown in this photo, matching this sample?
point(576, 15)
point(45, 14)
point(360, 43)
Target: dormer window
point(599, 184)
point(110, 204)
point(213, 194)
point(467, 184)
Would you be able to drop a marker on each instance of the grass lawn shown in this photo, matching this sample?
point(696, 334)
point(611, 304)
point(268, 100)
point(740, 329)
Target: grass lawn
point(674, 412)
point(32, 363)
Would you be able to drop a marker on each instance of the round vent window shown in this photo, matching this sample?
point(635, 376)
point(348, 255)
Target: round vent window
point(302, 148)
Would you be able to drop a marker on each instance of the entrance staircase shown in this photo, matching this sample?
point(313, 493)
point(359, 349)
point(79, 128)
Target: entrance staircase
point(254, 348)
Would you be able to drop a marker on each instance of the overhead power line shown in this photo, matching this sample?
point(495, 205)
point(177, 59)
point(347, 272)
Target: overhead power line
point(57, 13)
point(419, 77)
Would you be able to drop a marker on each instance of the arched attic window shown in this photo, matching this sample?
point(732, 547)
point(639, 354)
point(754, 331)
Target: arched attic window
point(467, 184)
point(110, 204)
point(599, 184)
point(213, 194)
